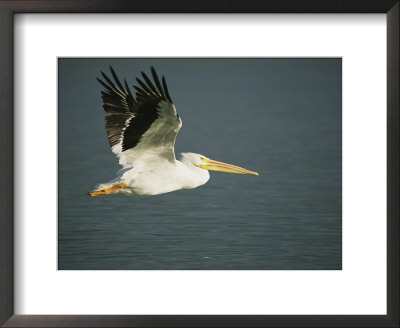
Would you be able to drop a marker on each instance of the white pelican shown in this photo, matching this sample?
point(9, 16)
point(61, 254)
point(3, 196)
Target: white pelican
point(141, 133)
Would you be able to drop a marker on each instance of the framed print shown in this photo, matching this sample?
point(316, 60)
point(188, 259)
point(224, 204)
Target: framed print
point(303, 96)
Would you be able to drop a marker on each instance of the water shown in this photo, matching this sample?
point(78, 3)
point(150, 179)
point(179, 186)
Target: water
point(280, 117)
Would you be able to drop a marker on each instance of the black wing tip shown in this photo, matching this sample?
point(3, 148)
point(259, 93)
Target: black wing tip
point(103, 74)
point(116, 96)
point(112, 70)
point(156, 80)
point(144, 76)
point(160, 89)
point(116, 79)
point(164, 83)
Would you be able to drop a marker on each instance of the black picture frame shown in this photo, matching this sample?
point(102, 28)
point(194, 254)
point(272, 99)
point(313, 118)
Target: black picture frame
point(10, 7)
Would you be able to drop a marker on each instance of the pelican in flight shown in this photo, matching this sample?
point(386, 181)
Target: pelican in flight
point(141, 132)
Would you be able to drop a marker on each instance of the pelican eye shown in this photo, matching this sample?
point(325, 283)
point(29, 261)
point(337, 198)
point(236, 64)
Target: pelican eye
point(204, 159)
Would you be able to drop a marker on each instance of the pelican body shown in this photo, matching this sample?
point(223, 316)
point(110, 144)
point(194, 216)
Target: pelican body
point(141, 132)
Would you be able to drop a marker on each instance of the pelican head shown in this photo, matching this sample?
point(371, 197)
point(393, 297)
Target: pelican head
point(209, 164)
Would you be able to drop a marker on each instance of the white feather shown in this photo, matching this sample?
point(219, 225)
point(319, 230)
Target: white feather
point(157, 142)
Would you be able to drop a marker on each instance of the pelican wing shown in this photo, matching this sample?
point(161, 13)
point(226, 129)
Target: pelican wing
point(142, 129)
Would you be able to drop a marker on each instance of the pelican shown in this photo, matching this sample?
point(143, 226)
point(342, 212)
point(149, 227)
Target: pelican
point(141, 132)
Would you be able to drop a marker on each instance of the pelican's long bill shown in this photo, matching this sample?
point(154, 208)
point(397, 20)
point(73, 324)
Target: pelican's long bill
point(210, 164)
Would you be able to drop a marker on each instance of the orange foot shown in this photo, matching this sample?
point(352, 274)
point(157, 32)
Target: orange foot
point(107, 191)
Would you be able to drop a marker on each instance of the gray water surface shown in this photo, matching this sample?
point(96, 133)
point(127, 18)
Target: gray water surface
point(279, 117)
